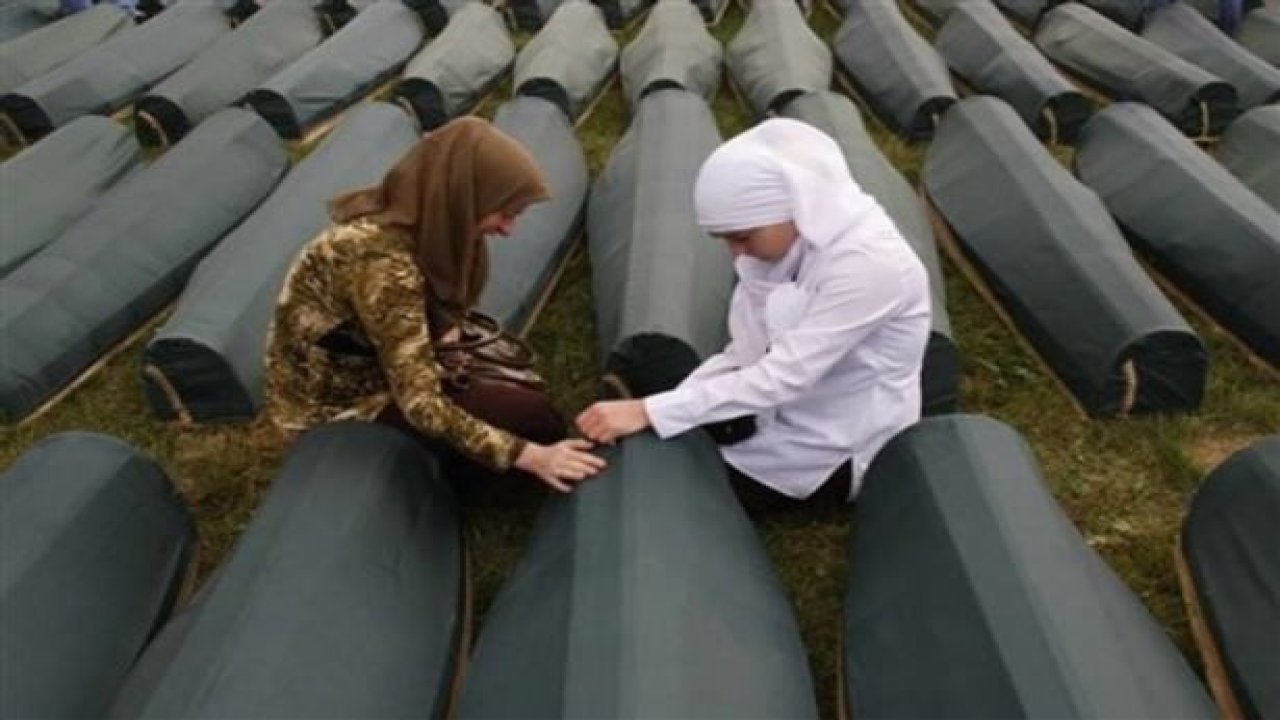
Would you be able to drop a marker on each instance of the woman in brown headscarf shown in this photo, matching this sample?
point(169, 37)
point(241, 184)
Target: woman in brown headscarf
point(369, 299)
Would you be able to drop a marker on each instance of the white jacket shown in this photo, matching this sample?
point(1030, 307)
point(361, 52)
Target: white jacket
point(826, 349)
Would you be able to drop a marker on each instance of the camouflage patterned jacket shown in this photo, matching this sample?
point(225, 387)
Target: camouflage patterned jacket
point(350, 336)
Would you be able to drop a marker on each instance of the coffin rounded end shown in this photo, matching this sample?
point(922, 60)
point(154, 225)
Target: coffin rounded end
point(22, 120)
point(159, 122)
point(1062, 116)
point(549, 90)
point(1159, 372)
point(188, 381)
point(940, 376)
point(275, 109)
point(424, 101)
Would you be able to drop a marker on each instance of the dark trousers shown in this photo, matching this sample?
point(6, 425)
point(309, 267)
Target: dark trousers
point(760, 500)
point(523, 412)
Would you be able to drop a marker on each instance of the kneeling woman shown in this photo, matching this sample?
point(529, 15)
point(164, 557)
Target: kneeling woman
point(368, 301)
point(827, 325)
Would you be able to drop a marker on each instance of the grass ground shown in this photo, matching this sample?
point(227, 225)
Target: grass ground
point(1125, 484)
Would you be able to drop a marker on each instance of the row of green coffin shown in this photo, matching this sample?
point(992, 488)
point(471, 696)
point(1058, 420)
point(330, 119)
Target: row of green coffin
point(206, 360)
point(1179, 63)
point(119, 262)
point(280, 63)
point(646, 593)
point(186, 64)
point(1056, 256)
point(1091, 367)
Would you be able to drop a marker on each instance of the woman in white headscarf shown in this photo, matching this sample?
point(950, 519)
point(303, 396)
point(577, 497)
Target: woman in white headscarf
point(828, 323)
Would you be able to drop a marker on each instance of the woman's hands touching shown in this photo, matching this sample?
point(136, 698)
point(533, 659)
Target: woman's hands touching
point(568, 462)
point(559, 466)
point(607, 421)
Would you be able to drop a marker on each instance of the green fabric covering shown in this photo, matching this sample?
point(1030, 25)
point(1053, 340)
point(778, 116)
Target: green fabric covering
point(574, 54)
point(776, 56)
point(36, 53)
point(645, 594)
point(1059, 266)
point(1229, 540)
point(123, 262)
point(672, 49)
point(1178, 205)
point(96, 547)
point(652, 267)
point(1249, 149)
point(971, 594)
point(340, 600)
point(51, 184)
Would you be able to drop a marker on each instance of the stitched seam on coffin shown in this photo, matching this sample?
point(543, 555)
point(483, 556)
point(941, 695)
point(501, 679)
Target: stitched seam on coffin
point(951, 530)
point(636, 259)
point(1007, 159)
point(1013, 551)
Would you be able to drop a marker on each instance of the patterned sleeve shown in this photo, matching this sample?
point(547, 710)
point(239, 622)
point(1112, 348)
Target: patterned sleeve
point(387, 293)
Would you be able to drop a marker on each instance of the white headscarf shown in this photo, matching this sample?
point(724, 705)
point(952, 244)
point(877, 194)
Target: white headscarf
point(780, 170)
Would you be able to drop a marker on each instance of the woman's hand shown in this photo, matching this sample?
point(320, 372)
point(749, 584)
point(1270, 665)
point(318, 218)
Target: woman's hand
point(568, 461)
point(605, 422)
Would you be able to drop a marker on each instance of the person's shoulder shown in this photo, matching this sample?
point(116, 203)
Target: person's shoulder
point(358, 232)
point(887, 261)
point(361, 240)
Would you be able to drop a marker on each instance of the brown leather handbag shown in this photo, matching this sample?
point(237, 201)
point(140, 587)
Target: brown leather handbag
point(478, 350)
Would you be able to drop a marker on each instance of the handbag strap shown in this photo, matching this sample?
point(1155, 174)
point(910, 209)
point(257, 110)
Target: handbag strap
point(478, 331)
point(489, 332)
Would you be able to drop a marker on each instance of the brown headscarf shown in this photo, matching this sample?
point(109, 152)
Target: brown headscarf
point(438, 192)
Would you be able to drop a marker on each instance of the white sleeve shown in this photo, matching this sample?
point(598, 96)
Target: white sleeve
point(718, 364)
point(844, 311)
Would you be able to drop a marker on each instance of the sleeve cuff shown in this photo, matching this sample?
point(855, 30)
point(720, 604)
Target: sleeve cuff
point(669, 413)
point(508, 459)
